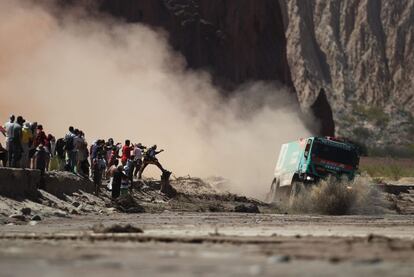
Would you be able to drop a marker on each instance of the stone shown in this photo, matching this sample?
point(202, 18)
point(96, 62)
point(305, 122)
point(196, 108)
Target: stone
point(36, 217)
point(60, 214)
point(18, 217)
point(26, 211)
point(279, 259)
point(116, 228)
point(350, 57)
point(335, 55)
point(127, 204)
point(74, 212)
point(76, 204)
point(246, 208)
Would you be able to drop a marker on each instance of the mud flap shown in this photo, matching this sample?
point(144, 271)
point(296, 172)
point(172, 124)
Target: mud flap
point(271, 196)
point(277, 192)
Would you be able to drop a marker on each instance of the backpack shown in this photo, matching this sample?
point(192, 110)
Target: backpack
point(69, 143)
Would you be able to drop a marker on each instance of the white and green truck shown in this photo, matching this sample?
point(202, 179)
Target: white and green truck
point(306, 161)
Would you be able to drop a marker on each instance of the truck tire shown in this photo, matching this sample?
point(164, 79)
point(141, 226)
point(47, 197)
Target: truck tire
point(271, 197)
point(295, 190)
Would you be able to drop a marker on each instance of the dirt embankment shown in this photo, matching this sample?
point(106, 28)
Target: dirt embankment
point(26, 198)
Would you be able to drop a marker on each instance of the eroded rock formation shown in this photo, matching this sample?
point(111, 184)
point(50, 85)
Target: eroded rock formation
point(351, 62)
point(360, 54)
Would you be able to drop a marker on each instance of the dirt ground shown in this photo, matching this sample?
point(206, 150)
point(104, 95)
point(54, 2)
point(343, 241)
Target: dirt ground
point(199, 233)
point(212, 244)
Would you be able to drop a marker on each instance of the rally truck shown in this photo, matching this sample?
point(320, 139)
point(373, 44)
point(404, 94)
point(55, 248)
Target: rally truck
point(304, 162)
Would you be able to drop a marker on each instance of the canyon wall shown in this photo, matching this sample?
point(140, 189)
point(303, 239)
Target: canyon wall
point(350, 62)
point(359, 54)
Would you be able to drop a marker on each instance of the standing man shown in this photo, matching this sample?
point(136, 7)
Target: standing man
point(27, 139)
point(150, 158)
point(16, 143)
point(117, 180)
point(98, 167)
point(70, 149)
point(138, 154)
point(8, 127)
point(126, 152)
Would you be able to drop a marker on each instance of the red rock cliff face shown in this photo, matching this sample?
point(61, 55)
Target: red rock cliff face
point(236, 41)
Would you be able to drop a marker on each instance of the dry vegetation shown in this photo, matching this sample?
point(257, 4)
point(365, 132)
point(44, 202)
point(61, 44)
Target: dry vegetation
point(340, 197)
point(387, 167)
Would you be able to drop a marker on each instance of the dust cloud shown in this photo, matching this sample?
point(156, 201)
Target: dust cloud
point(340, 197)
point(119, 80)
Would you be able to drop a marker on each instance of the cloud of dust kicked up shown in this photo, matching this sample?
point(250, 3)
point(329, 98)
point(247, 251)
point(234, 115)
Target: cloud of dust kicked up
point(119, 80)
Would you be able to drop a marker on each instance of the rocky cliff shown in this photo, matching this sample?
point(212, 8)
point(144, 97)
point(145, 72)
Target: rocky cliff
point(359, 55)
point(350, 62)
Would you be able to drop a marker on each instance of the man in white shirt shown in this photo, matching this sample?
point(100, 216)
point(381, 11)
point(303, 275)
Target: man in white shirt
point(8, 127)
point(138, 153)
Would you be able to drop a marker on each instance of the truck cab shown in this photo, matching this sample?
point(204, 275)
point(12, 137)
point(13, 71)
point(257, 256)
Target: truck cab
point(308, 160)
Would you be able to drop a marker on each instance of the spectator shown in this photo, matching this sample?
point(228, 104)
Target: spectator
point(126, 152)
point(15, 147)
point(70, 150)
point(3, 155)
point(60, 153)
point(138, 154)
point(41, 158)
point(8, 132)
point(98, 167)
point(117, 181)
point(27, 140)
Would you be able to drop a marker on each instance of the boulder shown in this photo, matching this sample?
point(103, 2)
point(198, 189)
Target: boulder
point(246, 208)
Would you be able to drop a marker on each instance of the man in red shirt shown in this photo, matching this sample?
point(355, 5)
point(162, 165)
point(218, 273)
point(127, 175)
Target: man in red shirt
point(126, 151)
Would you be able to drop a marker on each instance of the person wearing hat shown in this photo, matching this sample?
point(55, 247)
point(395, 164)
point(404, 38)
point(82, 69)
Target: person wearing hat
point(27, 138)
point(150, 158)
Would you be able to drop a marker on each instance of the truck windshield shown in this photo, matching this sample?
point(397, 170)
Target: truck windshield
point(335, 154)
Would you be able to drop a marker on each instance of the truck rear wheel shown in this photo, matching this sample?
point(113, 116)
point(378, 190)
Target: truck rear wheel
point(271, 196)
point(295, 190)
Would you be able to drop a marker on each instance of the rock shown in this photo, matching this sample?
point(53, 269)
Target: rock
point(166, 187)
point(111, 210)
point(373, 260)
point(116, 228)
point(127, 204)
point(334, 54)
point(33, 222)
point(74, 211)
point(18, 217)
point(354, 50)
point(60, 214)
point(246, 208)
point(76, 204)
point(216, 208)
point(279, 259)
point(36, 217)
point(26, 211)
point(135, 210)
